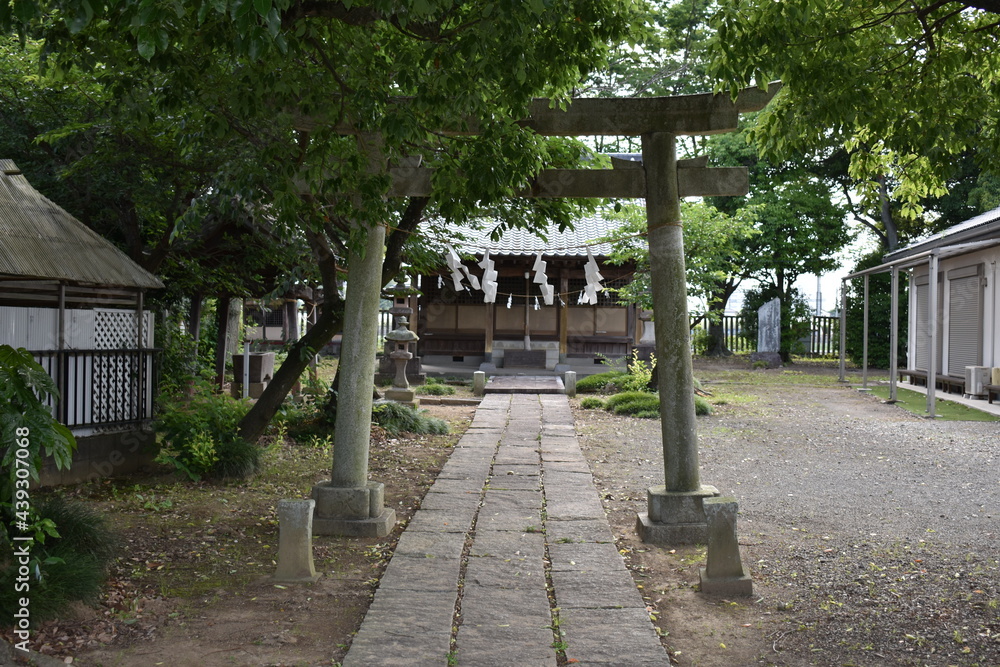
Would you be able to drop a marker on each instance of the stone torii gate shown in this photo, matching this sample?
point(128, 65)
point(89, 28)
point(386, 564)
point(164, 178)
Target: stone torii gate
point(351, 504)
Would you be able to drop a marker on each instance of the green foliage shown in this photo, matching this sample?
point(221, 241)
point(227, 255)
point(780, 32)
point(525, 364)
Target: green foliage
point(879, 314)
point(201, 437)
point(635, 403)
point(591, 403)
point(28, 434)
point(435, 389)
point(71, 565)
point(701, 406)
point(795, 322)
point(24, 388)
point(607, 382)
point(842, 65)
point(398, 418)
point(712, 242)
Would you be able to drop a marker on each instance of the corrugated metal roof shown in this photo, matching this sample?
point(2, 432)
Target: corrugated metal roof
point(568, 243)
point(38, 239)
point(983, 226)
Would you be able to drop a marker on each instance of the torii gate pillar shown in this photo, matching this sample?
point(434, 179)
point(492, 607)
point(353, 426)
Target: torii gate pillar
point(674, 514)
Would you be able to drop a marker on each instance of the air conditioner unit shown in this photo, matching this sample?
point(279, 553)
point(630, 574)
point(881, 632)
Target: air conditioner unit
point(976, 379)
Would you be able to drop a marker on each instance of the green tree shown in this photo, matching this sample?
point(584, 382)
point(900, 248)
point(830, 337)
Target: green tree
point(712, 242)
point(879, 315)
point(280, 76)
point(905, 88)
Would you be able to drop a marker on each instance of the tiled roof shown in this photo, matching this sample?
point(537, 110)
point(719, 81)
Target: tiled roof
point(568, 243)
point(40, 240)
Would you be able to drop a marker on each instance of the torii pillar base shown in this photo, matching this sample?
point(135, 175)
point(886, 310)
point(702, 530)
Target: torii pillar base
point(352, 512)
point(675, 517)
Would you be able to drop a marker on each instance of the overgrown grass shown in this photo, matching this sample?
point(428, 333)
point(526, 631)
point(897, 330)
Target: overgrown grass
point(645, 405)
point(945, 410)
point(398, 418)
point(73, 565)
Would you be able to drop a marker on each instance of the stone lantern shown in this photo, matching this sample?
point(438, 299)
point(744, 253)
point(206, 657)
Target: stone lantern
point(399, 340)
point(400, 295)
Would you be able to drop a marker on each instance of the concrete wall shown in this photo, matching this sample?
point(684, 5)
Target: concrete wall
point(104, 455)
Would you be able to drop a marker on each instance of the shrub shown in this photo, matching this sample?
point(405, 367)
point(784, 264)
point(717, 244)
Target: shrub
point(202, 438)
point(645, 405)
point(607, 382)
point(435, 389)
point(633, 403)
point(72, 565)
point(398, 418)
point(592, 403)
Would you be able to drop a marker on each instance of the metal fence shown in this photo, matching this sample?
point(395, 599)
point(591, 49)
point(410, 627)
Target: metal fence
point(823, 339)
point(102, 387)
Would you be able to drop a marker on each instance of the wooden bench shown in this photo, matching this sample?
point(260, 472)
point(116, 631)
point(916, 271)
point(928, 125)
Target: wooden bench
point(948, 383)
point(991, 391)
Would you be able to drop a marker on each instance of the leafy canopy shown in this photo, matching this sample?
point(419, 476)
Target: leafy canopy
point(905, 87)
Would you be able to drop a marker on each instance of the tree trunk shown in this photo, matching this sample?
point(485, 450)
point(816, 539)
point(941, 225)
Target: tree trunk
point(194, 316)
point(222, 318)
point(717, 308)
point(330, 320)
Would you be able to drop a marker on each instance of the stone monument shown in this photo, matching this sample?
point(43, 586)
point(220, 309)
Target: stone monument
point(768, 334)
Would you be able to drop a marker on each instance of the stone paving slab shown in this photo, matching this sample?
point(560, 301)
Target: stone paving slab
point(516, 482)
point(430, 544)
point(404, 628)
point(595, 589)
point(592, 556)
point(577, 530)
point(418, 573)
point(611, 637)
point(446, 521)
point(514, 573)
point(507, 544)
point(505, 627)
point(524, 384)
point(482, 524)
point(466, 502)
point(455, 485)
point(508, 455)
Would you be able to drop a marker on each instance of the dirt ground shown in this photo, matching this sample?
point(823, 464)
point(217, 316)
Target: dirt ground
point(870, 534)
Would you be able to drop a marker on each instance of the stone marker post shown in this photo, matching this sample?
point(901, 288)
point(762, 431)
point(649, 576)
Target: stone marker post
point(723, 572)
point(675, 514)
point(569, 381)
point(295, 558)
point(479, 383)
point(769, 334)
point(350, 504)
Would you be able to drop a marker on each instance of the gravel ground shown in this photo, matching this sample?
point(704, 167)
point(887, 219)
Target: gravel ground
point(871, 534)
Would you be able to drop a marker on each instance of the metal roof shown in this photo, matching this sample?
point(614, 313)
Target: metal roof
point(567, 243)
point(40, 240)
point(982, 227)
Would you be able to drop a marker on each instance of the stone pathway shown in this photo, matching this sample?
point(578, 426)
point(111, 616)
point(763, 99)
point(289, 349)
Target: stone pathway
point(510, 558)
